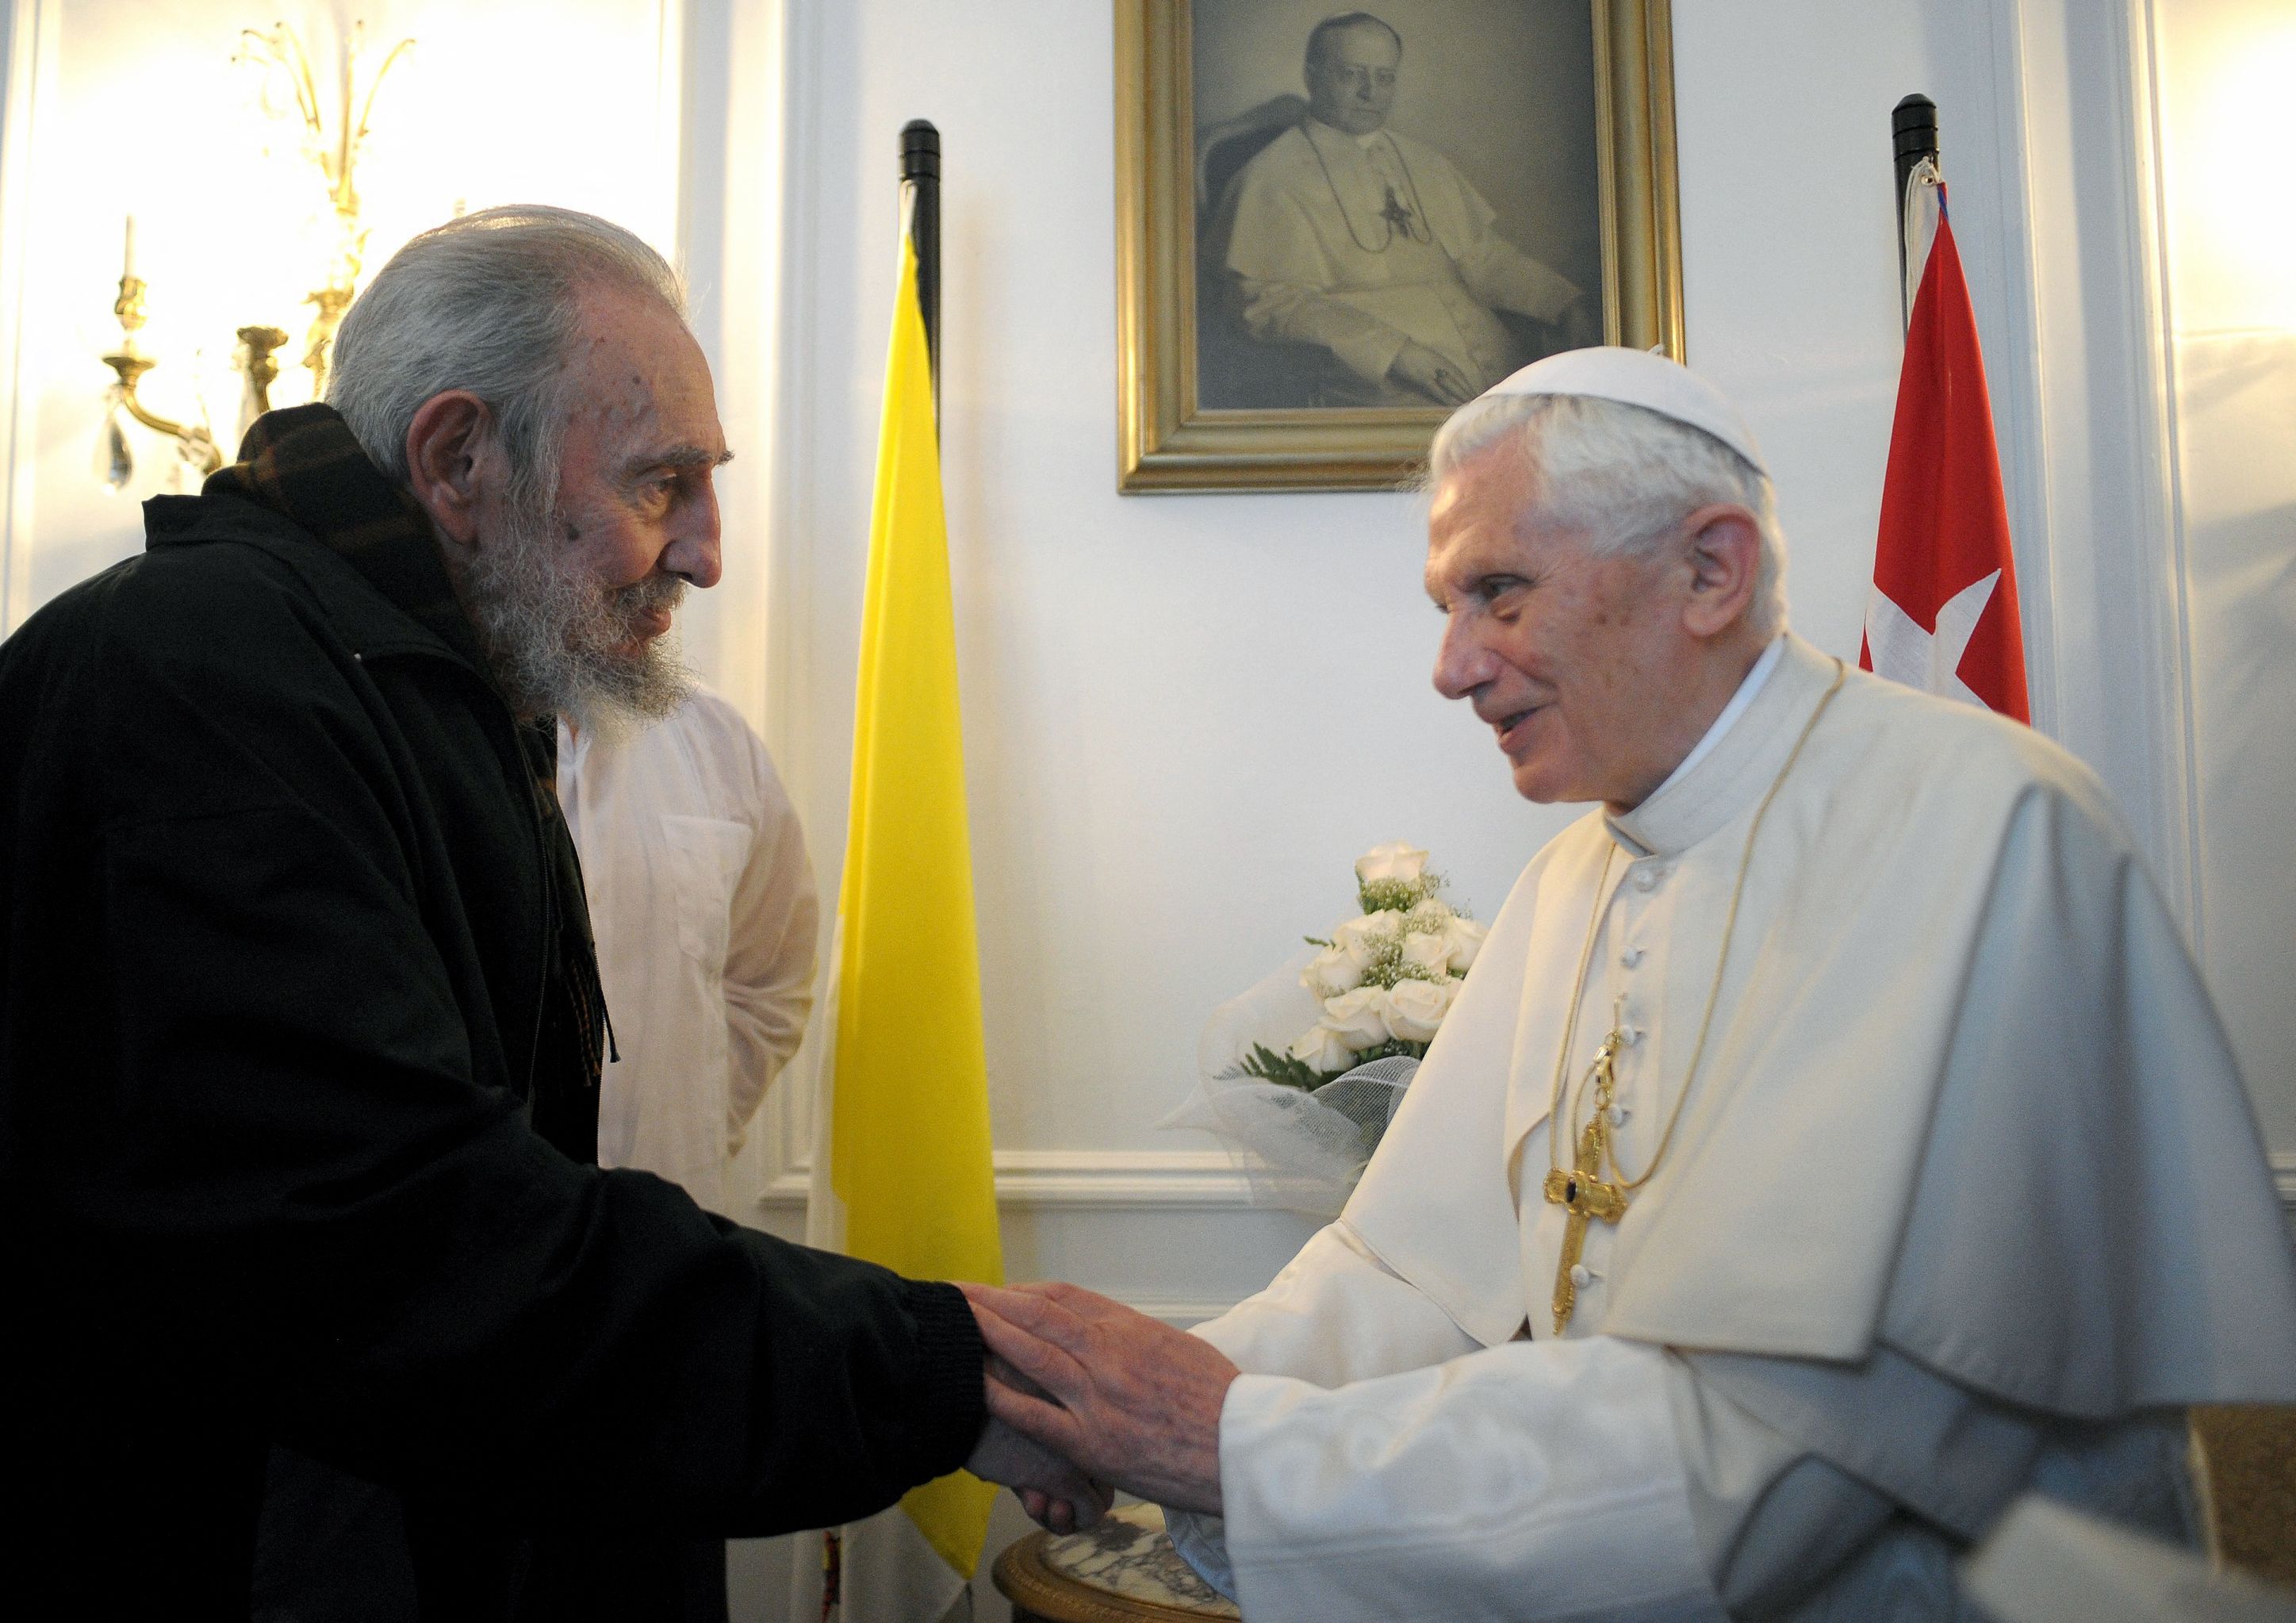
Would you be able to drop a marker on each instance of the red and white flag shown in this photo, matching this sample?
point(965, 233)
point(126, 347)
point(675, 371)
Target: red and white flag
point(1943, 614)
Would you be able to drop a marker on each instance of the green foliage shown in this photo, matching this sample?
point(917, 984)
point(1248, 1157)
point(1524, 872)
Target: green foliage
point(1281, 1069)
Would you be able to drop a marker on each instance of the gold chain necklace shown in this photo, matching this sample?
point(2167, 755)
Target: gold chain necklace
point(1580, 1189)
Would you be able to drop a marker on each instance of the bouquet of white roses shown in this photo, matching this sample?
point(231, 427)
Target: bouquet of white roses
point(1301, 1075)
point(1385, 980)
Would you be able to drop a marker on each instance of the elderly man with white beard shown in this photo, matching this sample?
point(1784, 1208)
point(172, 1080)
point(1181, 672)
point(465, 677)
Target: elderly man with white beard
point(1832, 1142)
point(300, 1028)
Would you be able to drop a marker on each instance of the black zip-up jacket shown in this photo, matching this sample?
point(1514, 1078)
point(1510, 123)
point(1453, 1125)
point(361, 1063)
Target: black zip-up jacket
point(276, 939)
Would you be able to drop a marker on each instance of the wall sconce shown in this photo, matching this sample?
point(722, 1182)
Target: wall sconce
point(337, 157)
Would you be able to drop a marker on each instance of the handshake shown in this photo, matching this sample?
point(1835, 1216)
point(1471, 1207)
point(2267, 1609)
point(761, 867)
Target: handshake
point(1086, 1397)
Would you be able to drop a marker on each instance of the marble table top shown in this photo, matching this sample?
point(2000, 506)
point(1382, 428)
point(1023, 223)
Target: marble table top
point(1128, 1555)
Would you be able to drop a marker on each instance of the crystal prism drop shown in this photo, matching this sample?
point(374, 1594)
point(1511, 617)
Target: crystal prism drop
point(119, 462)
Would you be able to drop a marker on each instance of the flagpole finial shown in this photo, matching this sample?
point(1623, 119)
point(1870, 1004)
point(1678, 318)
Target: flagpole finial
point(921, 193)
point(1913, 135)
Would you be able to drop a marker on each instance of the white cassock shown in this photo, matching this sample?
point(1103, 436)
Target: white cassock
point(703, 907)
point(1967, 1199)
point(1360, 244)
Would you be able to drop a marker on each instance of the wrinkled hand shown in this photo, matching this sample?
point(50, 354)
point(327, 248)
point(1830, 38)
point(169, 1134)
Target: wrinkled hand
point(1131, 1401)
point(1416, 366)
point(1054, 1492)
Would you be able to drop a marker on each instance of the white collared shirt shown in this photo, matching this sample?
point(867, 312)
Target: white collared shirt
point(703, 907)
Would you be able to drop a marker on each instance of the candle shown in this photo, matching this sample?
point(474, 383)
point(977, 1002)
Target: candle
point(128, 258)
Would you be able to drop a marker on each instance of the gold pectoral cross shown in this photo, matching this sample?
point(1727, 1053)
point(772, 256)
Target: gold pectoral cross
point(1578, 1188)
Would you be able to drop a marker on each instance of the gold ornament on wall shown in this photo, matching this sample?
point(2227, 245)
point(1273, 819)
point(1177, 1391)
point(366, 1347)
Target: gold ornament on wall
point(335, 152)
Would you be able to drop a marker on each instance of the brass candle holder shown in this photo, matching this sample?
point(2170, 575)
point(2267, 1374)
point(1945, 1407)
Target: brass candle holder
point(198, 446)
point(337, 155)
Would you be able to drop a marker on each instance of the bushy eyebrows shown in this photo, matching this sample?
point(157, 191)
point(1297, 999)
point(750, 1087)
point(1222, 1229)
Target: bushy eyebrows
point(675, 458)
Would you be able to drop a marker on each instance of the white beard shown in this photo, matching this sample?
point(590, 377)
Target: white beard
point(551, 634)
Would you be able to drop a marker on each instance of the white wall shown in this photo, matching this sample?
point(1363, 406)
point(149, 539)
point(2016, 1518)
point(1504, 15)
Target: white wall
point(2228, 209)
point(1186, 715)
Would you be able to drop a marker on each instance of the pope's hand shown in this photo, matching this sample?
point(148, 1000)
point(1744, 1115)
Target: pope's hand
point(1131, 1401)
point(1417, 366)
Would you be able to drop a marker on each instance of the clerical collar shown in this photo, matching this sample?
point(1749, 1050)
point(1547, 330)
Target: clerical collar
point(1312, 126)
point(1736, 759)
point(1763, 665)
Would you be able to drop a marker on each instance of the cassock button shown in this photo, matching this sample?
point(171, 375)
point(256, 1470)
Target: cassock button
point(1632, 957)
point(1646, 879)
point(1619, 1114)
point(1581, 1275)
point(1631, 1036)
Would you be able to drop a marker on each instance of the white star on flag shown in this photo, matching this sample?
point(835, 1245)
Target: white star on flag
point(1903, 653)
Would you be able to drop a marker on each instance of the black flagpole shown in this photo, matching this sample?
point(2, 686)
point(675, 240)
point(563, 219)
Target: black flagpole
point(921, 180)
point(1914, 131)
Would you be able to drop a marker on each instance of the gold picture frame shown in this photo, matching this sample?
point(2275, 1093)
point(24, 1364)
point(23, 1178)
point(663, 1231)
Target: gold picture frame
point(1168, 441)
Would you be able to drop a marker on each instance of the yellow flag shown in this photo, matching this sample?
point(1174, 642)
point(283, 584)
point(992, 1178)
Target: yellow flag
point(909, 1127)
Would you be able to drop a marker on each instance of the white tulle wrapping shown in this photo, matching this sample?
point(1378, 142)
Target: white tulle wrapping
point(1302, 1151)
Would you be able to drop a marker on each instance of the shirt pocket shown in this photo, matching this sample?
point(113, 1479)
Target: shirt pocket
point(706, 857)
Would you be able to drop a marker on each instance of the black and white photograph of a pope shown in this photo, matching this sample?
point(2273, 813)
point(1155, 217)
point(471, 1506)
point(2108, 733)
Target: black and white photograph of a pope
point(1346, 262)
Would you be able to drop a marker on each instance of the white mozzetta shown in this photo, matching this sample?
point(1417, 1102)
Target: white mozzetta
point(1953, 1003)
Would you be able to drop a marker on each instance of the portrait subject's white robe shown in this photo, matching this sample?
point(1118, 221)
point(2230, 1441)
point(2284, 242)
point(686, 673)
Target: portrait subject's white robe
point(1967, 1199)
point(702, 904)
point(1319, 263)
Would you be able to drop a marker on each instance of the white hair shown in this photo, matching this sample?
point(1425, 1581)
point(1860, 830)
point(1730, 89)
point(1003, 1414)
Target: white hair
point(489, 303)
point(1623, 475)
point(492, 303)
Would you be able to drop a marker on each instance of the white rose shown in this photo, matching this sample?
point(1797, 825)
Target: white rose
point(1429, 917)
point(1465, 938)
point(1360, 937)
point(1331, 973)
point(1323, 1048)
point(1431, 953)
point(1416, 1008)
point(1360, 1017)
point(1394, 860)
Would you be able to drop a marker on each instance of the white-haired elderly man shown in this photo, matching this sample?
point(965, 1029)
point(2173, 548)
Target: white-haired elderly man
point(300, 1031)
point(1832, 1142)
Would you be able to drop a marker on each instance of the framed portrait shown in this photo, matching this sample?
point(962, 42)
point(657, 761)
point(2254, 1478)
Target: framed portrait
point(1332, 225)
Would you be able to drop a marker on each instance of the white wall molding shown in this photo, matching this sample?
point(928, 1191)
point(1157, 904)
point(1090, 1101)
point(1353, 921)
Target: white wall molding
point(2177, 797)
point(2114, 574)
point(1206, 1180)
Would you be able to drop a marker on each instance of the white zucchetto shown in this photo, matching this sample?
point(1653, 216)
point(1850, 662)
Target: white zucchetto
point(1637, 377)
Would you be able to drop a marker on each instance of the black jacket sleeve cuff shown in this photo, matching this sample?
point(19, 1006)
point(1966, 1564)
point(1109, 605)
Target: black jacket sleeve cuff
point(950, 1361)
